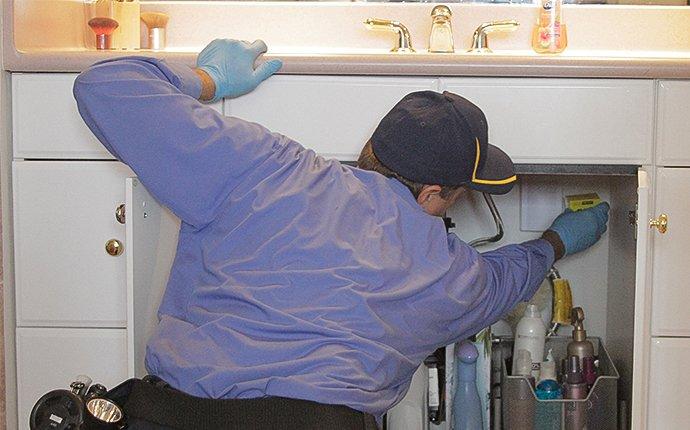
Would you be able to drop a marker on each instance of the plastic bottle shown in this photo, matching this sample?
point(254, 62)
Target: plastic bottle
point(575, 388)
point(549, 35)
point(433, 399)
point(530, 335)
point(467, 408)
point(579, 346)
point(548, 368)
point(548, 387)
point(589, 371)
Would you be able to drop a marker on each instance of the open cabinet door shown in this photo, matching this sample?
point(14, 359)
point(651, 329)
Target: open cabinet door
point(151, 234)
point(643, 302)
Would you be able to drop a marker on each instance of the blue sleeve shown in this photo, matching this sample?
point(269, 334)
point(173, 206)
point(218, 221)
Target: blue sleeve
point(145, 112)
point(492, 283)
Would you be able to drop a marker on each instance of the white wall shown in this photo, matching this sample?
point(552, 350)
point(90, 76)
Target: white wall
point(587, 271)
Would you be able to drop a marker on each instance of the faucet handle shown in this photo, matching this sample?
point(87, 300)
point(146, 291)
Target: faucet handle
point(404, 44)
point(480, 42)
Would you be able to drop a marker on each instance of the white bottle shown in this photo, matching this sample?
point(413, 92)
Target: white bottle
point(530, 335)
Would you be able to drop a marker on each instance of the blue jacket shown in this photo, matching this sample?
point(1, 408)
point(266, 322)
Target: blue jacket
point(295, 275)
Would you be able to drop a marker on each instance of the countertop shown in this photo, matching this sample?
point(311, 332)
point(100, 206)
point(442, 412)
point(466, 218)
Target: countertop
point(601, 65)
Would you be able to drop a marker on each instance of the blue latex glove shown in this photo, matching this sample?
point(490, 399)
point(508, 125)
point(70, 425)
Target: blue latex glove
point(230, 63)
point(582, 229)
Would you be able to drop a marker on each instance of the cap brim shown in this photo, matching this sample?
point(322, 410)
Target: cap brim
point(497, 175)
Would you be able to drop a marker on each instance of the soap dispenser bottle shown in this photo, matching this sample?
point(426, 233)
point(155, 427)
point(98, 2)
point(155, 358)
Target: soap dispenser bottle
point(467, 408)
point(579, 346)
point(549, 35)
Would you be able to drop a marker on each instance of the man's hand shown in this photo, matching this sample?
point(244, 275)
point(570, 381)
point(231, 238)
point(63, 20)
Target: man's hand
point(230, 64)
point(580, 230)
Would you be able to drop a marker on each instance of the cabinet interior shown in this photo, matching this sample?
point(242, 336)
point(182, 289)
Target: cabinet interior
point(602, 279)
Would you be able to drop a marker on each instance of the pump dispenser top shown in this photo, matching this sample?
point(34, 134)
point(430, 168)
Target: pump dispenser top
point(579, 346)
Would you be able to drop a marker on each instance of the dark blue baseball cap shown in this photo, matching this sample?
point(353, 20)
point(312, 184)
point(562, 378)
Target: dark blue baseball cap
point(442, 139)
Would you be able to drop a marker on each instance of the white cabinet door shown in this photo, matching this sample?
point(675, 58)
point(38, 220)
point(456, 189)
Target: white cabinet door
point(45, 119)
point(670, 292)
point(673, 130)
point(589, 121)
point(46, 122)
point(668, 387)
point(642, 312)
point(50, 358)
point(152, 232)
point(333, 115)
point(64, 213)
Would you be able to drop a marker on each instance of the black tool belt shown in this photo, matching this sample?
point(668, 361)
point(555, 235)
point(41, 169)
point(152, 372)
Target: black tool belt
point(155, 406)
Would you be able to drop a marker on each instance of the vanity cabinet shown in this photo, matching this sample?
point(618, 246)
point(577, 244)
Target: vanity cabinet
point(80, 310)
point(333, 115)
point(670, 317)
point(670, 292)
point(668, 401)
point(64, 218)
point(50, 358)
point(580, 121)
point(46, 122)
point(673, 130)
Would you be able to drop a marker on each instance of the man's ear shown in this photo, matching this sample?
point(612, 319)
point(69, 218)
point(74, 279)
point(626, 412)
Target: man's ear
point(428, 191)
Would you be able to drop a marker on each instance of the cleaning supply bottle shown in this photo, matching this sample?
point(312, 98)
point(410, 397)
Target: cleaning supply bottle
point(579, 346)
point(549, 35)
point(433, 395)
point(548, 368)
point(548, 387)
point(575, 388)
point(530, 335)
point(467, 408)
point(589, 371)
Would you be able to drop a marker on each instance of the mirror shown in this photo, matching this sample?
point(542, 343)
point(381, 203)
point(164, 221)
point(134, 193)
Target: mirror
point(584, 2)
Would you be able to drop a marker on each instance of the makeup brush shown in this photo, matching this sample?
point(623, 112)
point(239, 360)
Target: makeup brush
point(103, 27)
point(156, 23)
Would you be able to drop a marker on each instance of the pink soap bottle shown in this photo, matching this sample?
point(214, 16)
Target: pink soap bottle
point(549, 35)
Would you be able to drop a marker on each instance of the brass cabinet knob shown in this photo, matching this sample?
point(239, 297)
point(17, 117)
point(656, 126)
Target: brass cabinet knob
point(114, 247)
point(120, 214)
point(661, 223)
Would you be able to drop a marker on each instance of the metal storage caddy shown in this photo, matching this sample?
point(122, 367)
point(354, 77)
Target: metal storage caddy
point(521, 410)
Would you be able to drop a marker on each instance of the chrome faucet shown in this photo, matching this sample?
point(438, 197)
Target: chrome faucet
point(441, 36)
point(404, 41)
point(480, 41)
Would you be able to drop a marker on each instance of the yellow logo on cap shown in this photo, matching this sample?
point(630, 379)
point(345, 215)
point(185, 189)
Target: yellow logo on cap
point(488, 181)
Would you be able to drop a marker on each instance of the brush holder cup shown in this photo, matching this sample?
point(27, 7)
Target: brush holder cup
point(99, 29)
point(521, 410)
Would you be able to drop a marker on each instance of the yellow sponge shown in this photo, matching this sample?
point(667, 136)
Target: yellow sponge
point(579, 202)
point(562, 301)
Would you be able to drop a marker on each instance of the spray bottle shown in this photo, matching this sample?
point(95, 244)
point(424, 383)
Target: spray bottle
point(579, 346)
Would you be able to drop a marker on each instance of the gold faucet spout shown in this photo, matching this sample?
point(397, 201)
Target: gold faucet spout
point(404, 43)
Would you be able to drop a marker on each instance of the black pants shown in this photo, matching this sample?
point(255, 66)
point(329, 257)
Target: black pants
point(151, 406)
